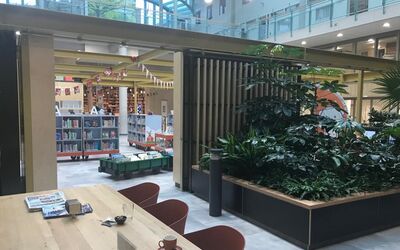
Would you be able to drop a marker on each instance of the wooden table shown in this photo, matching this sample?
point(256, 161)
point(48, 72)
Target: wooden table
point(20, 229)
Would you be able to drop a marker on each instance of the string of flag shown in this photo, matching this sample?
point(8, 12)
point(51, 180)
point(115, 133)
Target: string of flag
point(156, 81)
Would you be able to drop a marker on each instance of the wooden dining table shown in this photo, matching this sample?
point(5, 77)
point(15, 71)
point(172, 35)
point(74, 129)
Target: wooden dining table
point(21, 229)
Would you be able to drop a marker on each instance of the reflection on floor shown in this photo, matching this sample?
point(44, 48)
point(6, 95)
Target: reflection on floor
point(81, 173)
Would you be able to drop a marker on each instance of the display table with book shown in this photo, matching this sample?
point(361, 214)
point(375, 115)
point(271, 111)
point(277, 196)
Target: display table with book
point(22, 229)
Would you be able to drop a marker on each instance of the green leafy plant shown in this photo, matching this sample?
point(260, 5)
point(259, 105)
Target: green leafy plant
point(307, 156)
point(389, 87)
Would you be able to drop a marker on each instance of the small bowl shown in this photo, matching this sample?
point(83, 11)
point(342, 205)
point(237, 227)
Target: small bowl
point(120, 219)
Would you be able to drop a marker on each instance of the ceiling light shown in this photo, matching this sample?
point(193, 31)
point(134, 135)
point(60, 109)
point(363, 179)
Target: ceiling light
point(303, 43)
point(339, 35)
point(386, 25)
point(17, 33)
point(208, 1)
point(371, 40)
point(339, 48)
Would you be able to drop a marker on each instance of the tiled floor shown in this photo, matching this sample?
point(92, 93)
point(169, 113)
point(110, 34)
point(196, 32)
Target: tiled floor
point(82, 173)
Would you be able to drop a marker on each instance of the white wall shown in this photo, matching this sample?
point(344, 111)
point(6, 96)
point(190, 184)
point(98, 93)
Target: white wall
point(153, 102)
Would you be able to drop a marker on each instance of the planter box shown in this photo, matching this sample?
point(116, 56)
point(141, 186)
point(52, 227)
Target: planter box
point(307, 224)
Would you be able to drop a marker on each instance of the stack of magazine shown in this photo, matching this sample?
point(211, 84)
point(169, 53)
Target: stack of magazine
point(52, 205)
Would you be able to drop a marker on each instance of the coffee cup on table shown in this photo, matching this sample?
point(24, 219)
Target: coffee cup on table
point(168, 243)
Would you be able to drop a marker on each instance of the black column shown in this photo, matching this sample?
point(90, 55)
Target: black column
point(11, 181)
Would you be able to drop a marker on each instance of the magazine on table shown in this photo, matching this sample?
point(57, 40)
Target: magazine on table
point(58, 210)
point(37, 202)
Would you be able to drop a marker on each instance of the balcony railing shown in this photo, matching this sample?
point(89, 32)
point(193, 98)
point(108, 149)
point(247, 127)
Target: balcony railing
point(325, 11)
point(268, 27)
point(126, 11)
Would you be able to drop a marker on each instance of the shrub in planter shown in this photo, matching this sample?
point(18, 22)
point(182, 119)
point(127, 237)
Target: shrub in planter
point(306, 156)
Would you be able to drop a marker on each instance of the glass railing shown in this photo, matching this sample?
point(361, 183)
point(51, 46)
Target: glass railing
point(287, 22)
point(325, 11)
point(126, 11)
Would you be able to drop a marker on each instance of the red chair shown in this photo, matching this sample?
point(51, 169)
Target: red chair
point(144, 195)
point(217, 238)
point(173, 213)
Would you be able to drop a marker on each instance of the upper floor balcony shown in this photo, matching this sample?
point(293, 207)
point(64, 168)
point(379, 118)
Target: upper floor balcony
point(320, 17)
point(291, 25)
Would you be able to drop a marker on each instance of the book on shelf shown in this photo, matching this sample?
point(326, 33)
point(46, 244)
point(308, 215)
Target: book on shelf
point(37, 202)
point(58, 210)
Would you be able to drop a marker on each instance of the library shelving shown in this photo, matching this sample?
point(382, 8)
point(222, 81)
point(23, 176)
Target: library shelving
point(69, 136)
point(87, 135)
point(142, 130)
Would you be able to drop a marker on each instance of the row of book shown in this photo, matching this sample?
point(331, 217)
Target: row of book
point(70, 135)
point(109, 134)
point(109, 145)
point(73, 147)
point(91, 146)
point(109, 123)
point(69, 123)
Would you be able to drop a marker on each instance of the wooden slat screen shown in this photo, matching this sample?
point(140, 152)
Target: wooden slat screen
point(218, 87)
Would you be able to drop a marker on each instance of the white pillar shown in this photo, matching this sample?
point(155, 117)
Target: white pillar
point(123, 101)
point(178, 119)
point(39, 114)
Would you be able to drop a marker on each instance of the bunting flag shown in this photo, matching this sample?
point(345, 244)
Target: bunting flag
point(156, 81)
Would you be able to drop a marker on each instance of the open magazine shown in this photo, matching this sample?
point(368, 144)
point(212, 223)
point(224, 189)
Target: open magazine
point(37, 202)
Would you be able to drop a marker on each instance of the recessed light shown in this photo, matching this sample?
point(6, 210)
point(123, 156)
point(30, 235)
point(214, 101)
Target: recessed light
point(371, 40)
point(303, 43)
point(386, 25)
point(17, 33)
point(339, 35)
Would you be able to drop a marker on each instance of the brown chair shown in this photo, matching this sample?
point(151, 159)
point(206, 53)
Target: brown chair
point(144, 195)
point(173, 213)
point(217, 238)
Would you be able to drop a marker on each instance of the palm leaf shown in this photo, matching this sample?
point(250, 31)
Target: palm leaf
point(389, 87)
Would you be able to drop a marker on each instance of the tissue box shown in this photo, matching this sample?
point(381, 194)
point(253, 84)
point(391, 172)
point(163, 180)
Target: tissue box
point(73, 207)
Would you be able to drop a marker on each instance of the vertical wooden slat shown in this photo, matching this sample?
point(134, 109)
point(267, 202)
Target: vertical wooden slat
point(235, 85)
point(260, 87)
point(246, 74)
point(204, 115)
point(254, 73)
point(198, 124)
point(228, 96)
point(241, 89)
point(223, 84)
point(217, 101)
point(210, 104)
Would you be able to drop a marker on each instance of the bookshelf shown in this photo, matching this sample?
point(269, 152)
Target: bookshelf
point(86, 135)
point(142, 129)
point(69, 136)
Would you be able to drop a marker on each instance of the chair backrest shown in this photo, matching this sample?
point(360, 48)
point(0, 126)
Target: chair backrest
point(216, 238)
point(144, 195)
point(173, 213)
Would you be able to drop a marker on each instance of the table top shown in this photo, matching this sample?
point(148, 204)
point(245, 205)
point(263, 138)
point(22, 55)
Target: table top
point(21, 229)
